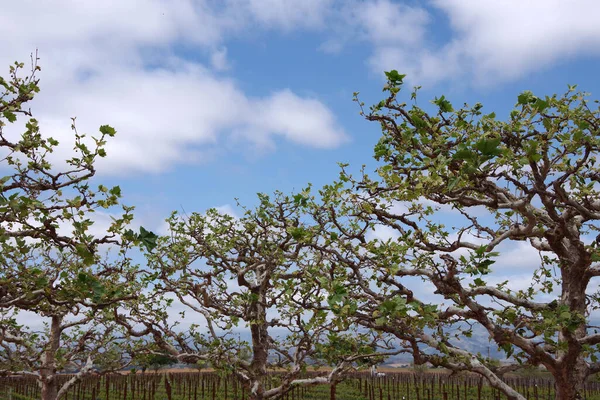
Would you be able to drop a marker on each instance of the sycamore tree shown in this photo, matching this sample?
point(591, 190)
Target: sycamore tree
point(251, 291)
point(456, 190)
point(151, 361)
point(57, 295)
point(57, 314)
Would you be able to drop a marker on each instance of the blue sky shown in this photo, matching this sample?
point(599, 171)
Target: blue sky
point(217, 100)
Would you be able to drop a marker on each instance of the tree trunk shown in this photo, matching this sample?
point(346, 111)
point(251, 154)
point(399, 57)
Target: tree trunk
point(49, 389)
point(258, 366)
point(566, 390)
point(332, 391)
point(569, 383)
point(48, 367)
point(571, 370)
point(257, 316)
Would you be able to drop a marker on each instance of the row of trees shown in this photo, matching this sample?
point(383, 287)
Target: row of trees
point(303, 274)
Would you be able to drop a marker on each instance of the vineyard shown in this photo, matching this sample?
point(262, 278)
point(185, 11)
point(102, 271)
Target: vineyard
point(359, 386)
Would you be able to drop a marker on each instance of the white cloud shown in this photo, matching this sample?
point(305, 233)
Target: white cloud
point(164, 117)
point(512, 38)
point(112, 24)
point(489, 41)
point(388, 23)
point(112, 63)
point(284, 113)
point(382, 23)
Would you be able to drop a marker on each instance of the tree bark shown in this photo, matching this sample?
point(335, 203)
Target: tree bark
point(260, 341)
point(49, 389)
point(569, 384)
point(48, 368)
point(571, 368)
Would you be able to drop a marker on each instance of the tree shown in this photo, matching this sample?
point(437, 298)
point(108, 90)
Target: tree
point(152, 361)
point(49, 263)
point(256, 273)
point(532, 179)
point(75, 302)
point(334, 349)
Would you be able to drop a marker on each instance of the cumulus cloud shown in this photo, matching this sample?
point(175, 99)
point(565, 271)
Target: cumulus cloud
point(510, 39)
point(488, 42)
point(387, 23)
point(113, 63)
point(168, 116)
point(284, 113)
point(381, 23)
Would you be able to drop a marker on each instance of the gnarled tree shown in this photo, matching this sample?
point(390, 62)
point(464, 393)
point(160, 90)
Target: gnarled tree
point(456, 190)
point(255, 274)
point(49, 267)
point(68, 309)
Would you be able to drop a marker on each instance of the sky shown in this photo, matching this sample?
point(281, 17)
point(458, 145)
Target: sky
point(215, 100)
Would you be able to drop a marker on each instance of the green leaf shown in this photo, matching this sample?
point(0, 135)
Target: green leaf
point(444, 105)
point(115, 191)
point(464, 154)
point(524, 161)
point(10, 116)
point(298, 233)
point(489, 147)
point(381, 149)
point(526, 97)
point(394, 77)
point(147, 239)
point(479, 282)
point(540, 105)
point(452, 184)
point(86, 255)
point(107, 130)
point(300, 199)
point(82, 277)
point(129, 235)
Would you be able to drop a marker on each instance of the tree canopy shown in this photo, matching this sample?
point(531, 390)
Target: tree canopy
point(259, 273)
point(404, 260)
point(458, 188)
